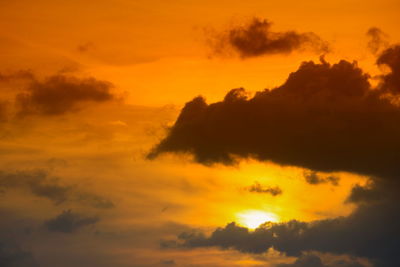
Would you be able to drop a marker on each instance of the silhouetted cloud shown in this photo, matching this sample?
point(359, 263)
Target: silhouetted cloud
point(40, 184)
point(258, 188)
point(371, 231)
point(314, 178)
point(59, 94)
point(378, 40)
point(68, 222)
point(324, 117)
point(310, 260)
point(391, 58)
point(12, 255)
point(372, 192)
point(256, 39)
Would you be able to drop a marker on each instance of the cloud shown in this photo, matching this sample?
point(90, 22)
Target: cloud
point(12, 255)
point(59, 94)
point(68, 222)
point(258, 188)
point(310, 260)
point(17, 75)
point(324, 117)
point(391, 58)
point(370, 232)
point(378, 40)
point(256, 39)
point(371, 193)
point(314, 178)
point(40, 184)
point(85, 47)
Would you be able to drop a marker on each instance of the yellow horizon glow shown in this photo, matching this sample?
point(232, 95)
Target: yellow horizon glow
point(254, 218)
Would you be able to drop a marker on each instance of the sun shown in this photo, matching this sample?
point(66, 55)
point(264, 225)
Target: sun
point(254, 218)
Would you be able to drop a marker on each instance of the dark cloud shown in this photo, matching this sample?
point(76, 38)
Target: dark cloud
point(258, 188)
point(314, 178)
point(256, 39)
point(378, 40)
point(37, 182)
point(85, 47)
point(12, 255)
point(372, 192)
point(324, 117)
point(60, 94)
point(17, 75)
point(68, 222)
point(310, 260)
point(391, 58)
point(369, 232)
point(305, 261)
point(40, 184)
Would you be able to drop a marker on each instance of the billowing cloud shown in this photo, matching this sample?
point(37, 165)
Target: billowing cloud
point(371, 232)
point(391, 58)
point(40, 184)
point(256, 39)
point(68, 222)
point(314, 178)
point(324, 117)
point(258, 188)
point(59, 94)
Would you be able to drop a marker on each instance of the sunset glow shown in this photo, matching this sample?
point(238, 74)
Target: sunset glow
point(201, 133)
point(254, 218)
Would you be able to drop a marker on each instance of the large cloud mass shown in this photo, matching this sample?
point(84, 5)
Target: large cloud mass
point(325, 118)
point(371, 232)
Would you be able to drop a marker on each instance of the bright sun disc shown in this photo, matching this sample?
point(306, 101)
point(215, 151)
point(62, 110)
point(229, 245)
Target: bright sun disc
point(254, 218)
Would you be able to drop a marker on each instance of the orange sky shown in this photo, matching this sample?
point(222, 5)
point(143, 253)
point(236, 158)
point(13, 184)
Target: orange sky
point(156, 55)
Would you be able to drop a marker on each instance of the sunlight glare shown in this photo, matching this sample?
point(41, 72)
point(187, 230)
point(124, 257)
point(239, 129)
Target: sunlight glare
point(254, 218)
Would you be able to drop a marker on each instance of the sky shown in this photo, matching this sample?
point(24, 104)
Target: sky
point(199, 133)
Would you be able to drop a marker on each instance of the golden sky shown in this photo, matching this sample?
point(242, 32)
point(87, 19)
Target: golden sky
point(107, 158)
